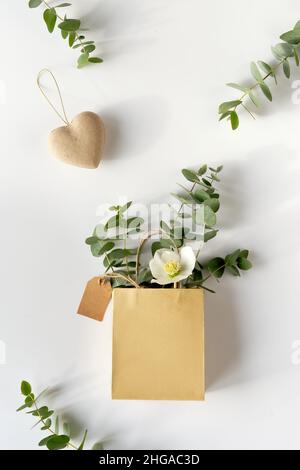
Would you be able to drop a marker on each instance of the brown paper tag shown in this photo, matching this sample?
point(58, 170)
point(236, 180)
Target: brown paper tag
point(95, 299)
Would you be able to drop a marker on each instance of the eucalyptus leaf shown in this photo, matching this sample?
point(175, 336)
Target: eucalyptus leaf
point(25, 388)
point(255, 72)
point(190, 175)
point(35, 3)
point(83, 60)
point(72, 38)
point(238, 87)
point(88, 49)
point(284, 50)
point(228, 105)
point(57, 442)
point(69, 25)
point(95, 60)
point(234, 119)
point(291, 37)
point(266, 90)
point(286, 69)
point(216, 267)
point(244, 264)
point(50, 19)
point(265, 67)
point(202, 170)
point(254, 99)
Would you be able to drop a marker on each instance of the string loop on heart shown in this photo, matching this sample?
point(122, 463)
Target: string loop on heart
point(63, 116)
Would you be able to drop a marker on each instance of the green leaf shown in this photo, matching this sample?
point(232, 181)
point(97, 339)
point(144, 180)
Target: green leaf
point(91, 240)
point(63, 5)
point(83, 441)
point(209, 235)
point(190, 175)
point(82, 61)
point(119, 254)
point(216, 267)
point(227, 105)
point(29, 400)
point(213, 203)
point(238, 87)
point(50, 19)
point(47, 424)
point(244, 264)
point(57, 442)
point(35, 3)
point(224, 115)
point(44, 441)
point(231, 259)
point(80, 44)
point(265, 67)
point(234, 119)
point(95, 60)
point(163, 243)
point(200, 195)
point(275, 53)
point(233, 270)
point(254, 99)
point(72, 37)
point(266, 90)
point(255, 72)
point(69, 25)
point(284, 50)
point(22, 407)
point(88, 49)
point(113, 222)
point(297, 25)
point(165, 227)
point(56, 429)
point(40, 411)
point(244, 253)
point(25, 388)
point(125, 207)
point(106, 247)
point(182, 199)
point(133, 222)
point(292, 37)
point(209, 216)
point(286, 69)
point(64, 34)
point(95, 248)
point(202, 170)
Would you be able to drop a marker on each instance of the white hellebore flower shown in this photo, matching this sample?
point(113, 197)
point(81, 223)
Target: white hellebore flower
point(168, 266)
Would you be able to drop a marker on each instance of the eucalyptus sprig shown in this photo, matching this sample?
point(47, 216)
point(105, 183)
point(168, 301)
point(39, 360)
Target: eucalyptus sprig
point(70, 29)
point(200, 203)
point(261, 72)
point(55, 440)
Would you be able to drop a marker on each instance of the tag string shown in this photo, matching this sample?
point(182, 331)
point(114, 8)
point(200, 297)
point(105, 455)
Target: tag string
point(64, 116)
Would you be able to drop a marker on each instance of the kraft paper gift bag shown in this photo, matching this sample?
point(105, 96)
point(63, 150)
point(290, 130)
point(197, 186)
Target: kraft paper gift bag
point(158, 344)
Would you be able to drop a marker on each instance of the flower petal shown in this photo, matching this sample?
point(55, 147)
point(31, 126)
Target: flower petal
point(187, 259)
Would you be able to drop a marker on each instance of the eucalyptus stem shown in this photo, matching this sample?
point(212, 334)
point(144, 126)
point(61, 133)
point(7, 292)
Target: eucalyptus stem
point(70, 29)
point(42, 420)
point(282, 53)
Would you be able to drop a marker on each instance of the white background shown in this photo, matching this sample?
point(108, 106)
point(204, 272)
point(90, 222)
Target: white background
point(166, 63)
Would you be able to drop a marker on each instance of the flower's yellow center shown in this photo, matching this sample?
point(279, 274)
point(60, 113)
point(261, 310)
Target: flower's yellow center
point(172, 268)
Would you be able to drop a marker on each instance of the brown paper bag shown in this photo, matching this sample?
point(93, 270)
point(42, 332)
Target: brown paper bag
point(158, 344)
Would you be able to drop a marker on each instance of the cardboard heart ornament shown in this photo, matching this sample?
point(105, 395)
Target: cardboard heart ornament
point(81, 142)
